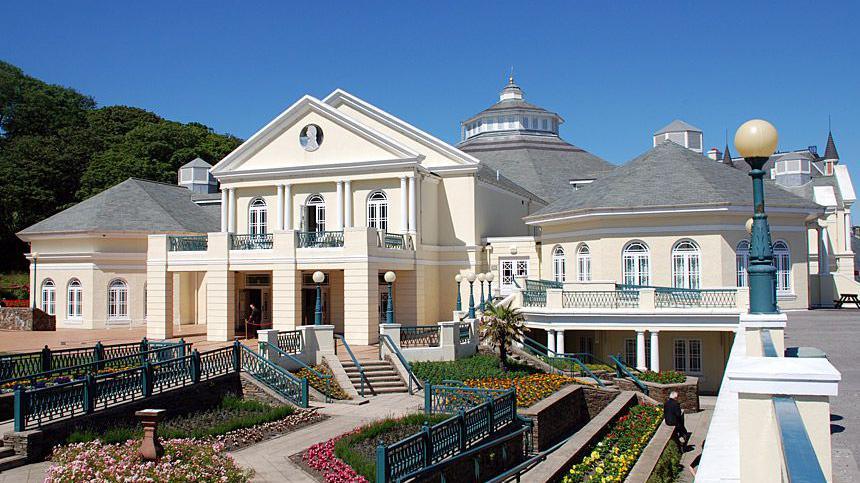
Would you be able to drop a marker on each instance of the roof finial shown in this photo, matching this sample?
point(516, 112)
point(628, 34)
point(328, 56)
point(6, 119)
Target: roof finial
point(511, 76)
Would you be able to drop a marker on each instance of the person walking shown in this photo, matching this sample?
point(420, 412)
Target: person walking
point(253, 321)
point(674, 416)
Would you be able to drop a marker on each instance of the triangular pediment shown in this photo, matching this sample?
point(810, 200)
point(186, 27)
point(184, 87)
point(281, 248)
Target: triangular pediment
point(340, 140)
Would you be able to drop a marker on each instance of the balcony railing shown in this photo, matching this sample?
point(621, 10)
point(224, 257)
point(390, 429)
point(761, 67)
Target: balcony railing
point(194, 243)
point(534, 298)
point(534, 285)
point(608, 299)
point(251, 242)
point(319, 239)
point(695, 298)
point(419, 336)
point(397, 241)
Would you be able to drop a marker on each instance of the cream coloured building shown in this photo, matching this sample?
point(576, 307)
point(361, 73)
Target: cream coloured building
point(339, 186)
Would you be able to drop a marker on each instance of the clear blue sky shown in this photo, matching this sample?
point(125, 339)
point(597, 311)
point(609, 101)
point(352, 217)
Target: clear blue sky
point(615, 70)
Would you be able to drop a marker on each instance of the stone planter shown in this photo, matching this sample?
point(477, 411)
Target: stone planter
point(688, 391)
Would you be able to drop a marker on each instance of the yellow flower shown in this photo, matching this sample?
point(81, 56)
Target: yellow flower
point(595, 455)
point(599, 470)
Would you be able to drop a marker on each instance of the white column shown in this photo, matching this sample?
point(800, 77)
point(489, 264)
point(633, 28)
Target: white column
point(824, 256)
point(640, 350)
point(655, 350)
point(279, 220)
point(224, 211)
point(847, 222)
point(413, 206)
point(404, 215)
point(288, 207)
point(347, 206)
point(339, 208)
point(550, 340)
point(559, 341)
point(231, 207)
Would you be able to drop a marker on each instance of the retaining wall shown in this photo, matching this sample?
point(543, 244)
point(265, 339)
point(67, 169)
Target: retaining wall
point(688, 391)
point(25, 318)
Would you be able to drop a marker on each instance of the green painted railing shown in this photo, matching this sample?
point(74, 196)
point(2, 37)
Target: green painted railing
point(386, 339)
point(453, 396)
point(433, 444)
point(542, 284)
point(272, 375)
point(600, 299)
point(622, 370)
point(394, 240)
point(319, 239)
point(534, 298)
point(291, 341)
point(465, 332)
point(419, 336)
point(674, 297)
point(361, 374)
point(265, 347)
point(32, 363)
point(191, 243)
point(553, 358)
point(251, 242)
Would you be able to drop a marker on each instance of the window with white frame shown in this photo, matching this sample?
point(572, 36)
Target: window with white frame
point(558, 264)
point(257, 217)
point(583, 263)
point(687, 355)
point(637, 264)
point(118, 300)
point(686, 265)
point(377, 210)
point(49, 296)
point(75, 300)
point(630, 352)
point(315, 213)
point(782, 262)
point(742, 261)
point(509, 269)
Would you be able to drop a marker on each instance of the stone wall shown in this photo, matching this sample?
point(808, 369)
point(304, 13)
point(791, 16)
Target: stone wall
point(25, 318)
point(37, 444)
point(688, 391)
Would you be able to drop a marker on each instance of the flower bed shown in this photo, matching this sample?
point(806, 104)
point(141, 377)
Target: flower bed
point(613, 457)
point(334, 390)
point(55, 380)
point(478, 366)
point(351, 457)
point(663, 377)
point(22, 303)
point(530, 389)
point(183, 460)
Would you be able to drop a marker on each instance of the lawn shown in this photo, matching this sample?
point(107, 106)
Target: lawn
point(479, 366)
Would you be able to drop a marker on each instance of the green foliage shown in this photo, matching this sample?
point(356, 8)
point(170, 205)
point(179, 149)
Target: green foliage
point(662, 377)
point(357, 449)
point(668, 466)
point(501, 325)
point(478, 366)
point(233, 413)
point(57, 148)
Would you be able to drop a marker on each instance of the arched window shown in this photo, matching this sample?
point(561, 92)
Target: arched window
point(742, 261)
point(49, 296)
point(637, 264)
point(558, 264)
point(75, 299)
point(118, 300)
point(314, 215)
point(257, 217)
point(583, 263)
point(377, 210)
point(686, 265)
point(782, 262)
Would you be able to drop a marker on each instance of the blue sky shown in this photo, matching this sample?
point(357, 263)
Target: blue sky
point(615, 70)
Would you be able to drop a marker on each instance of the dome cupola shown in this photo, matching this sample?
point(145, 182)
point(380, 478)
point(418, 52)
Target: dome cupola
point(511, 115)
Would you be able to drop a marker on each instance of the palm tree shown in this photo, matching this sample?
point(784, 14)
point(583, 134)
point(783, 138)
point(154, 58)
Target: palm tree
point(501, 325)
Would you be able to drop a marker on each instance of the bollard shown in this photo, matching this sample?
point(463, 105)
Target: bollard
point(150, 447)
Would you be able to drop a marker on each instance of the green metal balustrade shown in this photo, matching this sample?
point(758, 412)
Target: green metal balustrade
point(189, 243)
point(270, 352)
point(674, 297)
point(290, 341)
point(600, 299)
point(538, 285)
point(534, 298)
point(251, 242)
point(419, 336)
point(465, 332)
point(319, 239)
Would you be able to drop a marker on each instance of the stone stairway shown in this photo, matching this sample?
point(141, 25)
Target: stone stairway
point(9, 459)
point(382, 377)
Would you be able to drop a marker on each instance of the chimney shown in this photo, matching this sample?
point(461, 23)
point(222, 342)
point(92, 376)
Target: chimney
point(715, 154)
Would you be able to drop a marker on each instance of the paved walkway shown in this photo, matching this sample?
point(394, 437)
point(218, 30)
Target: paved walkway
point(835, 332)
point(270, 459)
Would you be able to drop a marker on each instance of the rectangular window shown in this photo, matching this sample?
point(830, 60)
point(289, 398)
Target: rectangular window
point(687, 355)
point(630, 352)
point(545, 125)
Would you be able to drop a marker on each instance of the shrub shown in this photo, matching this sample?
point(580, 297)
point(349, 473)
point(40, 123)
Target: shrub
point(333, 388)
point(530, 389)
point(663, 377)
point(476, 367)
point(613, 457)
point(183, 460)
point(668, 466)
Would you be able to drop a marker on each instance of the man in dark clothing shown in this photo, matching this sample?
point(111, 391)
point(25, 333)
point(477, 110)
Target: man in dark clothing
point(674, 416)
point(252, 323)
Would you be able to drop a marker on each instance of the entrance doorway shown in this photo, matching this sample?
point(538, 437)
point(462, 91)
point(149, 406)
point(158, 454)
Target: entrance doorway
point(255, 289)
point(309, 299)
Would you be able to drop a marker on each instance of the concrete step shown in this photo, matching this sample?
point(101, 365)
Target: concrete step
point(6, 451)
point(380, 384)
point(366, 364)
point(10, 462)
point(392, 377)
point(390, 390)
point(369, 374)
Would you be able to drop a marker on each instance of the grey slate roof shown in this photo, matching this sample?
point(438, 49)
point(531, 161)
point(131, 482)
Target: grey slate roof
point(495, 176)
point(670, 175)
point(830, 151)
point(196, 163)
point(541, 164)
point(133, 205)
point(676, 126)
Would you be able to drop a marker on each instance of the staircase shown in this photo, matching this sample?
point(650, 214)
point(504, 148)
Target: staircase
point(382, 377)
point(9, 459)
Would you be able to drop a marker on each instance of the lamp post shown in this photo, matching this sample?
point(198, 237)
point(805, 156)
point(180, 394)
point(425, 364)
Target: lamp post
point(470, 276)
point(481, 284)
point(318, 278)
point(756, 141)
point(489, 278)
point(35, 285)
point(390, 277)
point(458, 278)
